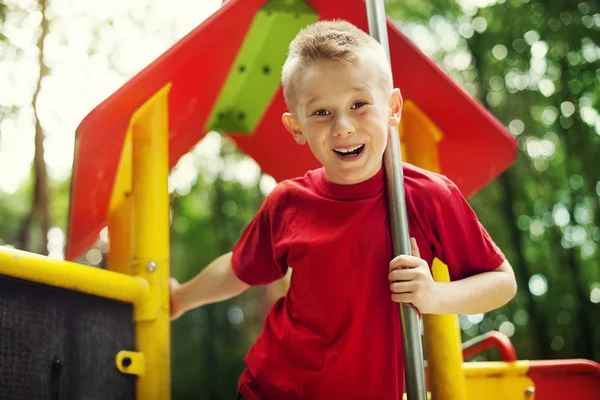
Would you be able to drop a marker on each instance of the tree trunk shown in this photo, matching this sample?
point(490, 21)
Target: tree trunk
point(40, 204)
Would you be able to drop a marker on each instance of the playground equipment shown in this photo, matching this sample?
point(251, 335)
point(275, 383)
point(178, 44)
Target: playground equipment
point(71, 332)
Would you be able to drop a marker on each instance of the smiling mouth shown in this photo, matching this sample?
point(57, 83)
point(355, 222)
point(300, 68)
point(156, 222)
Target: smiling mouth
point(352, 151)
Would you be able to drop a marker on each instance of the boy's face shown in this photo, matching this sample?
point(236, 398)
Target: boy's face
point(343, 112)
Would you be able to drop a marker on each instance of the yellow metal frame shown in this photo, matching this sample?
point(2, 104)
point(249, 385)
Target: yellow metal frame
point(68, 275)
point(138, 226)
point(150, 247)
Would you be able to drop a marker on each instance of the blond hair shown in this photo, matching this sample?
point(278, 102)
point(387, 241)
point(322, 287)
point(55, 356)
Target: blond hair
point(336, 40)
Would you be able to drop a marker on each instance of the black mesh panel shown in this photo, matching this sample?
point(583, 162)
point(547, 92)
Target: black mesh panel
point(57, 344)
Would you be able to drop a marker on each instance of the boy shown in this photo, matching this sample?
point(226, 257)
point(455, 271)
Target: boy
point(336, 333)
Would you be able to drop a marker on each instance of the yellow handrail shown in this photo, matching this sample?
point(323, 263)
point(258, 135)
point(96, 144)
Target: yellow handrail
point(73, 276)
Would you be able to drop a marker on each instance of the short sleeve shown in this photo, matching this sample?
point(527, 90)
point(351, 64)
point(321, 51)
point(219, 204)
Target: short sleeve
point(255, 260)
point(462, 242)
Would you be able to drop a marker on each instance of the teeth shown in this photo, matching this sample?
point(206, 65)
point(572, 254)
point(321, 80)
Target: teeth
point(349, 150)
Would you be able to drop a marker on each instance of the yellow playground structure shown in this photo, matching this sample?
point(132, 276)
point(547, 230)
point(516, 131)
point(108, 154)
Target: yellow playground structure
point(69, 331)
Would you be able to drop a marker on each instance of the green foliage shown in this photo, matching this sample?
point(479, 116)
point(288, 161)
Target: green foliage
point(3, 13)
point(534, 66)
point(13, 209)
point(555, 212)
point(421, 11)
point(209, 344)
point(3, 10)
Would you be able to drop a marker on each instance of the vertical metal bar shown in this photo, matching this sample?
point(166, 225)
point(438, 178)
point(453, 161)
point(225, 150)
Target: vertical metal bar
point(411, 337)
point(150, 169)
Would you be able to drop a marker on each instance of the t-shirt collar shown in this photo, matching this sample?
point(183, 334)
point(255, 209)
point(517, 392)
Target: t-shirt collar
point(370, 188)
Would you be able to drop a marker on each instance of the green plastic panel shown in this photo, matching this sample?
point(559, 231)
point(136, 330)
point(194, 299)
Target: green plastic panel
point(256, 72)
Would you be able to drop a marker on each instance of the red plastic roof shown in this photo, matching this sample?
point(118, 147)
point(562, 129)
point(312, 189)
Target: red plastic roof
point(475, 148)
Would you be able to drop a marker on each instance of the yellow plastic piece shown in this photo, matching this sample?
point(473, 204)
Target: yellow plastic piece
point(131, 362)
point(122, 186)
point(120, 237)
point(150, 168)
point(120, 214)
point(442, 344)
point(148, 308)
point(499, 381)
point(72, 276)
point(419, 138)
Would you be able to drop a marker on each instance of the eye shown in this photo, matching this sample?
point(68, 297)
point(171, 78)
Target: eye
point(359, 104)
point(321, 113)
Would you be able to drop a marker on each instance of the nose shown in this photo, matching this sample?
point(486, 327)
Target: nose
point(343, 127)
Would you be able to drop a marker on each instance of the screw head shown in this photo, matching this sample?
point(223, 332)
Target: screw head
point(151, 266)
point(529, 391)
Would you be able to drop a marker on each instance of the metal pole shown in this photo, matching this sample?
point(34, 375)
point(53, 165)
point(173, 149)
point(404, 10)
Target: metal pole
point(411, 337)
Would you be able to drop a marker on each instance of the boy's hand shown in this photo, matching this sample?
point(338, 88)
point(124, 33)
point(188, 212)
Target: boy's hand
point(174, 306)
point(411, 281)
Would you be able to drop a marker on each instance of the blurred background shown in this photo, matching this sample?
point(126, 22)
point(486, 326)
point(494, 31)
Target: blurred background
point(534, 64)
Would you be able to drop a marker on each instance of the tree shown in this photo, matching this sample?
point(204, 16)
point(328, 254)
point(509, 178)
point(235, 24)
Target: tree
point(40, 204)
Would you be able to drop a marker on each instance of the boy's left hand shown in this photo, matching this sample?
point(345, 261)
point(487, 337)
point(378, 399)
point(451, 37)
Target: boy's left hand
point(411, 281)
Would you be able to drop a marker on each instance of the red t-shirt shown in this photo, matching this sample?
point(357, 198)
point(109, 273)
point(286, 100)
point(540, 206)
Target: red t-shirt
point(336, 333)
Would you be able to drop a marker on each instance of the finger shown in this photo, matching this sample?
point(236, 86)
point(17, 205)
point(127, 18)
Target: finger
point(402, 297)
point(414, 247)
point(405, 262)
point(402, 287)
point(399, 275)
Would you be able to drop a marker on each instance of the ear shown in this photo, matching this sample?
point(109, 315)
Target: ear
point(291, 124)
point(396, 103)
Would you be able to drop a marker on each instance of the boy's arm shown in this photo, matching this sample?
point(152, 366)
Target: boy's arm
point(476, 294)
point(216, 282)
point(411, 282)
